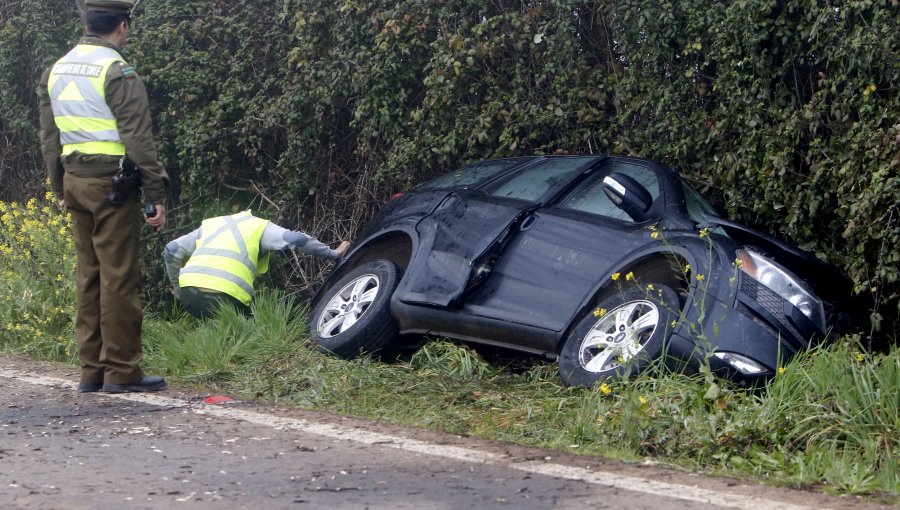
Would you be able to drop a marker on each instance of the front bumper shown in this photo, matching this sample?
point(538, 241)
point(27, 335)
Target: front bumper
point(759, 325)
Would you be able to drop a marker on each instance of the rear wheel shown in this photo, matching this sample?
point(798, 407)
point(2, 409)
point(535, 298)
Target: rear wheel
point(354, 315)
point(621, 337)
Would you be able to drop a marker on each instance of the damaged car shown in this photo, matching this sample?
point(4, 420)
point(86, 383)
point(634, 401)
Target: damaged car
point(608, 264)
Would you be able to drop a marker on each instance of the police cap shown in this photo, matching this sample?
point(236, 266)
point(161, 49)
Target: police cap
point(121, 6)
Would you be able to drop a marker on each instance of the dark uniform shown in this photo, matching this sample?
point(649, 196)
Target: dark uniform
point(109, 316)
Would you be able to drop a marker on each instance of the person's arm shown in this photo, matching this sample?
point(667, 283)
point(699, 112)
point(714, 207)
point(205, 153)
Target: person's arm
point(279, 238)
point(176, 255)
point(127, 98)
point(50, 144)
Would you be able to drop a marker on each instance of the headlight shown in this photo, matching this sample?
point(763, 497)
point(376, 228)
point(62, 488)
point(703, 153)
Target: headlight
point(743, 364)
point(783, 283)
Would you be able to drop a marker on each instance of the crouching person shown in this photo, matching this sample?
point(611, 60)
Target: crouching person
point(219, 261)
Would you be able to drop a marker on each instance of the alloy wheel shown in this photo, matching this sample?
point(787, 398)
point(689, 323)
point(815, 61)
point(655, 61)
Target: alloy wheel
point(618, 336)
point(347, 305)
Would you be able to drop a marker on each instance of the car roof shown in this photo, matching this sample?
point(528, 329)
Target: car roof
point(482, 173)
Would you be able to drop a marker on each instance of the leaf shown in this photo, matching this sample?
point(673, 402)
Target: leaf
point(712, 392)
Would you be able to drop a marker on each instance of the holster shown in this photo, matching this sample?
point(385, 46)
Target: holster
point(125, 182)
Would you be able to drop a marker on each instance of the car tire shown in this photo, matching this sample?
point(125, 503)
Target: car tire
point(354, 315)
point(620, 338)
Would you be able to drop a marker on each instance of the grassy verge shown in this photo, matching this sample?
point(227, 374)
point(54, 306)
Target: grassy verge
point(830, 419)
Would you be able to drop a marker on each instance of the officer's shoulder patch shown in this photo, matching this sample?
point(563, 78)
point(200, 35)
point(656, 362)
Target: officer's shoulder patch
point(127, 69)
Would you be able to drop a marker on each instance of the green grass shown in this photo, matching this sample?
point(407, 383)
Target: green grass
point(831, 419)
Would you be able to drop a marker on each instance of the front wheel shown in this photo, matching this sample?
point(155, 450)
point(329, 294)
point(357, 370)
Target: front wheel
point(354, 316)
point(622, 336)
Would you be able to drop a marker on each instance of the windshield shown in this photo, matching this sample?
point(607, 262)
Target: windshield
point(471, 176)
point(698, 209)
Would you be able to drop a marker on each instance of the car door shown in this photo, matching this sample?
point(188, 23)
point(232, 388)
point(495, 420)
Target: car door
point(460, 240)
point(559, 253)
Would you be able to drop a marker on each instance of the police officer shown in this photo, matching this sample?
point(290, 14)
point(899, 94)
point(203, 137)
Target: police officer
point(222, 258)
point(93, 111)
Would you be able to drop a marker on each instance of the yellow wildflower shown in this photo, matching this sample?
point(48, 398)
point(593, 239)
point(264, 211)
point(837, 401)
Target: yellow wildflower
point(704, 232)
point(780, 370)
point(605, 389)
point(600, 312)
point(700, 277)
point(643, 400)
point(649, 286)
point(859, 357)
point(629, 276)
point(654, 234)
point(615, 276)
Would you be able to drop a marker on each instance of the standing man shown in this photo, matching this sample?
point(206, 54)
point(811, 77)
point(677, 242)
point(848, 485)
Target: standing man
point(222, 258)
point(94, 110)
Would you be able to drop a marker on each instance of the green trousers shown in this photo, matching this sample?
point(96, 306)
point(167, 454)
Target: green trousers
point(203, 304)
point(109, 315)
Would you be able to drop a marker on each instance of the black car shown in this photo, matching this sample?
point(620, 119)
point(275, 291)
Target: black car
point(609, 263)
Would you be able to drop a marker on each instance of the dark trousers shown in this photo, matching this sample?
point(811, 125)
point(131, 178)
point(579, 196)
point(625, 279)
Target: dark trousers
point(109, 315)
point(203, 304)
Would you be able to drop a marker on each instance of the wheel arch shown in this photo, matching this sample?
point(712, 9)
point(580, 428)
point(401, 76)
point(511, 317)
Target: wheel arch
point(669, 268)
point(395, 246)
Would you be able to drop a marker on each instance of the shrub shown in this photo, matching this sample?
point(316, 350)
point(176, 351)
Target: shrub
point(781, 112)
point(37, 279)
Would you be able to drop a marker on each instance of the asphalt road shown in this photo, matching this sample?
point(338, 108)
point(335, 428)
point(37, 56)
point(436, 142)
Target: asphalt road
point(64, 450)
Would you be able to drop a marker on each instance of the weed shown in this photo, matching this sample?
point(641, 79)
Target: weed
point(451, 360)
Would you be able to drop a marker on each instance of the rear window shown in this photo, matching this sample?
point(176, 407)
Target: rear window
point(471, 176)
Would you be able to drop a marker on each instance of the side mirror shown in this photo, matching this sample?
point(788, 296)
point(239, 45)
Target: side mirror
point(628, 195)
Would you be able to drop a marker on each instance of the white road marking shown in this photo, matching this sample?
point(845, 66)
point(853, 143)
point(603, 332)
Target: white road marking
point(629, 483)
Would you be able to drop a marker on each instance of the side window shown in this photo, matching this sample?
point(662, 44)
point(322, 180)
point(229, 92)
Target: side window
point(590, 197)
point(534, 182)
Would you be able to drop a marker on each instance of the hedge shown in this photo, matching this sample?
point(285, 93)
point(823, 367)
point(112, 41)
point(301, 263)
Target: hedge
point(783, 113)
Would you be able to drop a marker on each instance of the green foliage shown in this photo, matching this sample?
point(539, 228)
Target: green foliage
point(32, 35)
point(784, 114)
point(37, 280)
point(828, 407)
point(217, 350)
point(451, 360)
point(831, 416)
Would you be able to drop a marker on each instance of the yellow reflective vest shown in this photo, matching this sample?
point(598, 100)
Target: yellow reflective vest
point(78, 97)
point(227, 256)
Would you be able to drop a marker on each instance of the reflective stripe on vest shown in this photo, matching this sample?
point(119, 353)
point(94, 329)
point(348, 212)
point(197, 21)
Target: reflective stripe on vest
point(78, 97)
point(227, 256)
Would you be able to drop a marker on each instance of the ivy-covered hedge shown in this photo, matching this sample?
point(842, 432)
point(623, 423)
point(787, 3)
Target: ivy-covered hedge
point(31, 34)
point(785, 113)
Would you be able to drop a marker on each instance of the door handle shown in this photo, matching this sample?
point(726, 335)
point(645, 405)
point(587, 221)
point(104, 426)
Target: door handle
point(528, 223)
